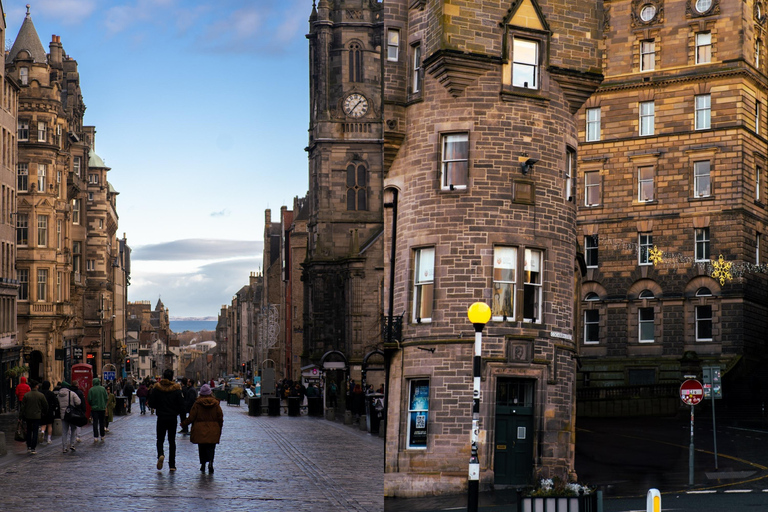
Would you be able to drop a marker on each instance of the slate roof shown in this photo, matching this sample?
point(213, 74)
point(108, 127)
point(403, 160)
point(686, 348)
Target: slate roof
point(28, 40)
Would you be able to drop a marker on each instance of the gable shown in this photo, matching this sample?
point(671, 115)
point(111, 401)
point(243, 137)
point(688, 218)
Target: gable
point(526, 14)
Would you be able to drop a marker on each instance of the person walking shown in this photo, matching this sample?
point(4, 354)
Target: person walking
point(109, 414)
point(142, 393)
point(206, 418)
point(167, 400)
point(66, 398)
point(34, 406)
point(53, 412)
point(190, 395)
point(22, 389)
point(128, 392)
point(79, 392)
point(97, 397)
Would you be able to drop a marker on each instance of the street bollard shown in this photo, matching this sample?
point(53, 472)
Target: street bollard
point(653, 503)
point(3, 447)
point(57, 426)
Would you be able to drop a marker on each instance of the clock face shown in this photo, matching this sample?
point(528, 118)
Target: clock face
point(355, 105)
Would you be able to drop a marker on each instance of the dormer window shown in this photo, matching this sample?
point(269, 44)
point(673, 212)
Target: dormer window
point(525, 63)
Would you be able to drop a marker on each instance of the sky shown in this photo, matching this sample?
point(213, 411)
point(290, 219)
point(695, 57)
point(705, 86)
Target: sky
point(201, 112)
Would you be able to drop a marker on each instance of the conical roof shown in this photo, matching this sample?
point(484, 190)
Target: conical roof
point(28, 40)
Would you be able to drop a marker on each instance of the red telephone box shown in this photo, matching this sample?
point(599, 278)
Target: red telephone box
point(83, 374)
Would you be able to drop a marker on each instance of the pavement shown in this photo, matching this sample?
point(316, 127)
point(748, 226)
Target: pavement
point(271, 464)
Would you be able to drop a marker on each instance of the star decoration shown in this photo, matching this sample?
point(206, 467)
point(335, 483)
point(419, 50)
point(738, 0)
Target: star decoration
point(654, 255)
point(722, 270)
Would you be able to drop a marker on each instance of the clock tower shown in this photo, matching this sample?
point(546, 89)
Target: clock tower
point(344, 267)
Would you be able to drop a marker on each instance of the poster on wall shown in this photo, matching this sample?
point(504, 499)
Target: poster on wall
point(418, 408)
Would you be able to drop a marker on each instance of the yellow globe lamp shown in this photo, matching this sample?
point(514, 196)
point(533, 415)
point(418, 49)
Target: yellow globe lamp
point(479, 313)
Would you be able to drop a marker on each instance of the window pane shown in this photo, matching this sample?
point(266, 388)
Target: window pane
point(701, 179)
point(350, 176)
point(525, 63)
point(351, 199)
point(361, 200)
point(361, 176)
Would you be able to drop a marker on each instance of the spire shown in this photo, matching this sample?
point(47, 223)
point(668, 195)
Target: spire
point(28, 40)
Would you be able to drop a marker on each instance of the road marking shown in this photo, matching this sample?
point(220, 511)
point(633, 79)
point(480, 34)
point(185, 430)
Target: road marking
point(701, 492)
point(748, 430)
point(738, 491)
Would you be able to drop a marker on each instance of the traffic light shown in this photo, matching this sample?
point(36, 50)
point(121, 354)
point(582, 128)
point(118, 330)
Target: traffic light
point(128, 365)
point(243, 368)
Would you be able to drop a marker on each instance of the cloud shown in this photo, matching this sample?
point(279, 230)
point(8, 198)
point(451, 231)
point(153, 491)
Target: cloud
point(198, 293)
point(68, 12)
point(198, 249)
point(222, 213)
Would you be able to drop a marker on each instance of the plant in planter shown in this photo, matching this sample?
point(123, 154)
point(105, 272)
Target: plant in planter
point(555, 495)
point(16, 371)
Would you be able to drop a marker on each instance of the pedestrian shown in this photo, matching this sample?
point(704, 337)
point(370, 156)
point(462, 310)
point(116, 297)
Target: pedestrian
point(142, 393)
point(206, 418)
point(190, 395)
point(109, 415)
point(34, 407)
point(53, 411)
point(79, 392)
point(358, 401)
point(166, 398)
point(22, 389)
point(66, 398)
point(332, 391)
point(128, 392)
point(97, 397)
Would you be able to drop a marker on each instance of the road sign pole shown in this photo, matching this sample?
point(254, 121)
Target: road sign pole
point(714, 427)
point(690, 454)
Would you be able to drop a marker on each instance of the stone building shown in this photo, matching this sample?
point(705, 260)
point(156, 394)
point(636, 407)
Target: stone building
point(480, 153)
point(343, 270)
point(9, 288)
point(673, 159)
point(69, 263)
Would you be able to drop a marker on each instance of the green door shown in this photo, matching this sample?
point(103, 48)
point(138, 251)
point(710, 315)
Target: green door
point(513, 453)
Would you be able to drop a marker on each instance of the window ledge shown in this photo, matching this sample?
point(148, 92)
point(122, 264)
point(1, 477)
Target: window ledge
point(760, 204)
point(519, 92)
point(413, 99)
point(635, 202)
point(698, 199)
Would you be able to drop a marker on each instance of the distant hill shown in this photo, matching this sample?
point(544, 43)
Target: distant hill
point(193, 319)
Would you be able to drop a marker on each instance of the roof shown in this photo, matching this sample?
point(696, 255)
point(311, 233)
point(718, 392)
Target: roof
point(95, 160)
point(28, 40)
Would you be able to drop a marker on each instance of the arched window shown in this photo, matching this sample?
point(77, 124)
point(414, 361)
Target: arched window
point(703, 292)
point(357, 187)
point(646, 294)
point(592, 296)
point(355, 63)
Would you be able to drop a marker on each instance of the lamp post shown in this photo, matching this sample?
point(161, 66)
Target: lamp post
point(479, 314)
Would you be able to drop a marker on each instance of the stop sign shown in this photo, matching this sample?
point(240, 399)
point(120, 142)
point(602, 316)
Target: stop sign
point(691, 392)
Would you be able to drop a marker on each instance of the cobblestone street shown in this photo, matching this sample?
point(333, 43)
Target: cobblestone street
point(263, 463)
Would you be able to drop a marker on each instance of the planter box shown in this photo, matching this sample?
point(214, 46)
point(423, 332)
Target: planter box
point(588, 503)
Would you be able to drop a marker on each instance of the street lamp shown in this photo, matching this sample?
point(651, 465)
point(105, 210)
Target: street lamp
point(479, 314)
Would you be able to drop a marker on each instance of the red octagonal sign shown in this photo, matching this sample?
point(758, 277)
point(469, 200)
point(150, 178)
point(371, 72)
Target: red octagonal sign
point(691, 392)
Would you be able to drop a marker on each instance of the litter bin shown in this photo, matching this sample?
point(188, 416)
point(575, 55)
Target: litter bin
point(254, 406)
point(119, 406)
point(233, 399)
point(294, 406)
point(315, 406)
point(273, 406)
point(374, 408)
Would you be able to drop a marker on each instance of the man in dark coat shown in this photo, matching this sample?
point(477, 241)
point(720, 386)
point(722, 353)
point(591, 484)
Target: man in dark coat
point(190, 395)
point(166, 398)
point(128, 392)
point(33, 407)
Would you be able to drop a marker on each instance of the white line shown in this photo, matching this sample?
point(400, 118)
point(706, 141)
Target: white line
point(748, 430)
point(701, 492)
point(738, 491)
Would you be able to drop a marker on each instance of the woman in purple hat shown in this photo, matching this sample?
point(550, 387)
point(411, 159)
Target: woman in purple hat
point(206, 418)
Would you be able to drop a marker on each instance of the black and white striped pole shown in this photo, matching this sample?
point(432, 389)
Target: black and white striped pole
point(479, 314)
